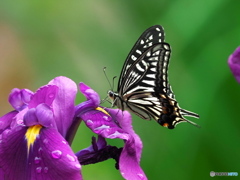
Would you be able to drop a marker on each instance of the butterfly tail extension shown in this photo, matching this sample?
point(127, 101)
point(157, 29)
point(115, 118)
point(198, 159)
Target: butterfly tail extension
point(191, 114)
point(193, 123)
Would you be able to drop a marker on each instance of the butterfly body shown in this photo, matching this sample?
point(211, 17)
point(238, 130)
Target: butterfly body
point(143, 86)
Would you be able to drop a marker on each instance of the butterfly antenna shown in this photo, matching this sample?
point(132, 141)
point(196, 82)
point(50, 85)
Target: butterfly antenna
point(113, 82)
point(104, 71)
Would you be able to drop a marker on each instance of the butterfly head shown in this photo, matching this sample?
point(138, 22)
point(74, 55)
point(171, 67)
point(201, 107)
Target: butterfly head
point(113, 96)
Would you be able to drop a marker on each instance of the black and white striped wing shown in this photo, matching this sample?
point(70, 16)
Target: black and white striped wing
point(138, 86)
point(153, 35)
point(143, 86)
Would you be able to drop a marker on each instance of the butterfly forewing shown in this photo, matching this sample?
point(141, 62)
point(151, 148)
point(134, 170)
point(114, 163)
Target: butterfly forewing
point(142, 74)
point(150, 37)
point(138, 89)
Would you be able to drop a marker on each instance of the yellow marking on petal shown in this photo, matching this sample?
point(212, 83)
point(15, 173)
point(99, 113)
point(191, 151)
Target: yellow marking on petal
point(102, 110)
point(31, 135)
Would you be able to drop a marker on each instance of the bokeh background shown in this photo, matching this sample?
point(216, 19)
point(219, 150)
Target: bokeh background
point(40, 40)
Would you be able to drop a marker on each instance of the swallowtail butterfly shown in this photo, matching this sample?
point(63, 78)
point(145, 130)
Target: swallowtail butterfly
point(143, 86)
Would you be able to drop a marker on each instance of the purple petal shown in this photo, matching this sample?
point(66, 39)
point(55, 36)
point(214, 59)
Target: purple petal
point(6, 120)
point(26, 95)
point(19, 98)
point(45, 115)
point(1, 173)
point(92, 102)
point(101, 124)
point(49, 158)
point(45, 94)
point(63, 105)
point(42, 115)
point(55, 156)
point(15, 99)
point(129, 163)
point(234, 63)
point(30, 117)
point(131, 153)
point(125, 121)
point(18, 119)
point(90, 94)
point(13, 153)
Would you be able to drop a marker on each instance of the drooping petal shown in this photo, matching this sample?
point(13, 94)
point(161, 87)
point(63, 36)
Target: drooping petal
point(234, 63)
point(53, 157)
point(49, 158)
point(64, 103)
point(125, 121)
point(101, 124)
point(129, 160)
point(13, 153)
point(131, 153)
point(129, 163)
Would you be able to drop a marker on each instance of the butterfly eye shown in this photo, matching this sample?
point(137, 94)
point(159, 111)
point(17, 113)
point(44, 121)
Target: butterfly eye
point(111, 94)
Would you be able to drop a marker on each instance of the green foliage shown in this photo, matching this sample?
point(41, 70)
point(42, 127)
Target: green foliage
point(78, 38)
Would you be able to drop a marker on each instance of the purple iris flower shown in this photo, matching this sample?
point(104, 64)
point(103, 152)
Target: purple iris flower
point(234, 63)
point(110, 123)
point(35, 137)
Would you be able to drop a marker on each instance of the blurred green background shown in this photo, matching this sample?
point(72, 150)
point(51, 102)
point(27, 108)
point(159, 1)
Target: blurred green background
point(40, 40)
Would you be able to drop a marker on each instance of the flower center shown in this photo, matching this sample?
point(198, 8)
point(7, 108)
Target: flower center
point(31, 134)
